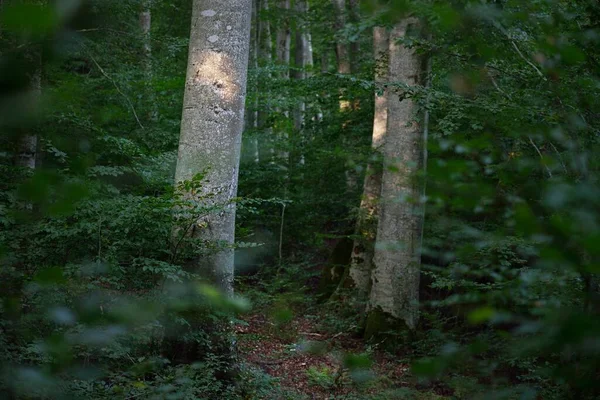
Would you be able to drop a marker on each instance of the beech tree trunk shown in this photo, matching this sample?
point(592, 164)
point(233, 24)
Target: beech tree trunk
point(303, 59)
point(395, 277)
point(265, 50)
point(284, 41)
point(213, 119)
point(341, 49)
point(361, 261)
point(283, 60)
point(251, 149)
point(145, 19)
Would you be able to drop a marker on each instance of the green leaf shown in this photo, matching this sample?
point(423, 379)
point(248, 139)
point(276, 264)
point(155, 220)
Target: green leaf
point(482, 314)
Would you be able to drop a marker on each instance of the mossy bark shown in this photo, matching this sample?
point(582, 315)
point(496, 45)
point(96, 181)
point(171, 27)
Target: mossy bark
point(377, 323)
point(335, 268)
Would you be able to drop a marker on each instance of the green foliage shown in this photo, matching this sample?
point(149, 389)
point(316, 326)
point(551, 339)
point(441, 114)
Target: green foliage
point(100, 298)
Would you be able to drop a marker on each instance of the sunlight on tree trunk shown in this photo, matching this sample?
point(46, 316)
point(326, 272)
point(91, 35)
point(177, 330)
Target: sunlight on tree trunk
point(366, 225)
point(212, 121)
point(395, 278)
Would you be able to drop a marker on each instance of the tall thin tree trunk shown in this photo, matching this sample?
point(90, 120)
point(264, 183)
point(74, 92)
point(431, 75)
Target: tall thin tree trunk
point(341, 49)
point(355, 44)
point(251, 123)
point(283, 60)
point(28, 144)
point(212, 122)
point(145, 18)
point(395, 277)
point(361, 261)
point(284, 41)
point(265, 50)
point(303, 60)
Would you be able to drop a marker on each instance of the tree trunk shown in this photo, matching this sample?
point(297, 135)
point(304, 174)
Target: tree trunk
point(145, 18)
point(355, 44)
point(212, 121)
point(303, 59)
point(284, 41)
point(283, 61)
point(361, 262)
point(28, 144)
point(265, 50)
point(341, 49)
point(251, 150)
point(395, 277)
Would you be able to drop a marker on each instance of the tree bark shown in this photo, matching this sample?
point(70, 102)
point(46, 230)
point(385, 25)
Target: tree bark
point(395, 277)
point(361, 261)
point(283, 60)
point(284, 41)
point(341, 49)
point(212, 122)
point(251, 150)
point(265, 50)
point(303, 60)
point(145, 20)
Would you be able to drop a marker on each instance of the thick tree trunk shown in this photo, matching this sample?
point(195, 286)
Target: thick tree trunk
point(395, 277)
point(361, 262)
point(213, 119)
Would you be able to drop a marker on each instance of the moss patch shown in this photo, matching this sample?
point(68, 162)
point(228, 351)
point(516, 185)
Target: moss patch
point(378, 323)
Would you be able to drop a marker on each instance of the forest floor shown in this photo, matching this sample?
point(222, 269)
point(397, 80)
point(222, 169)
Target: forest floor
point(310, 363)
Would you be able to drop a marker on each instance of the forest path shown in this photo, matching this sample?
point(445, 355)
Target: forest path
point(310, 363)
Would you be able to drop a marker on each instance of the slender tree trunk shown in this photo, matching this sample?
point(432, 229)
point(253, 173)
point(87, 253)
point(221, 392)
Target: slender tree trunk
point(395, 277)
point(324, 61)
point(303, 60)
point(213, 119)
point(28, 144)
point(361, 261)
point(283, 61)
point(265, 51)
point(251, 150)
point(355, 44)
point(145, 18)
point(284, 41)
point(341, 49)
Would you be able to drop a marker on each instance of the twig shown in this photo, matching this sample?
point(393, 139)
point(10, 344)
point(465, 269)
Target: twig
point(508, 96)
point(118, 90)
point(541, 156)
point(512, 41)
point(559, 157)
point(528, 61)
